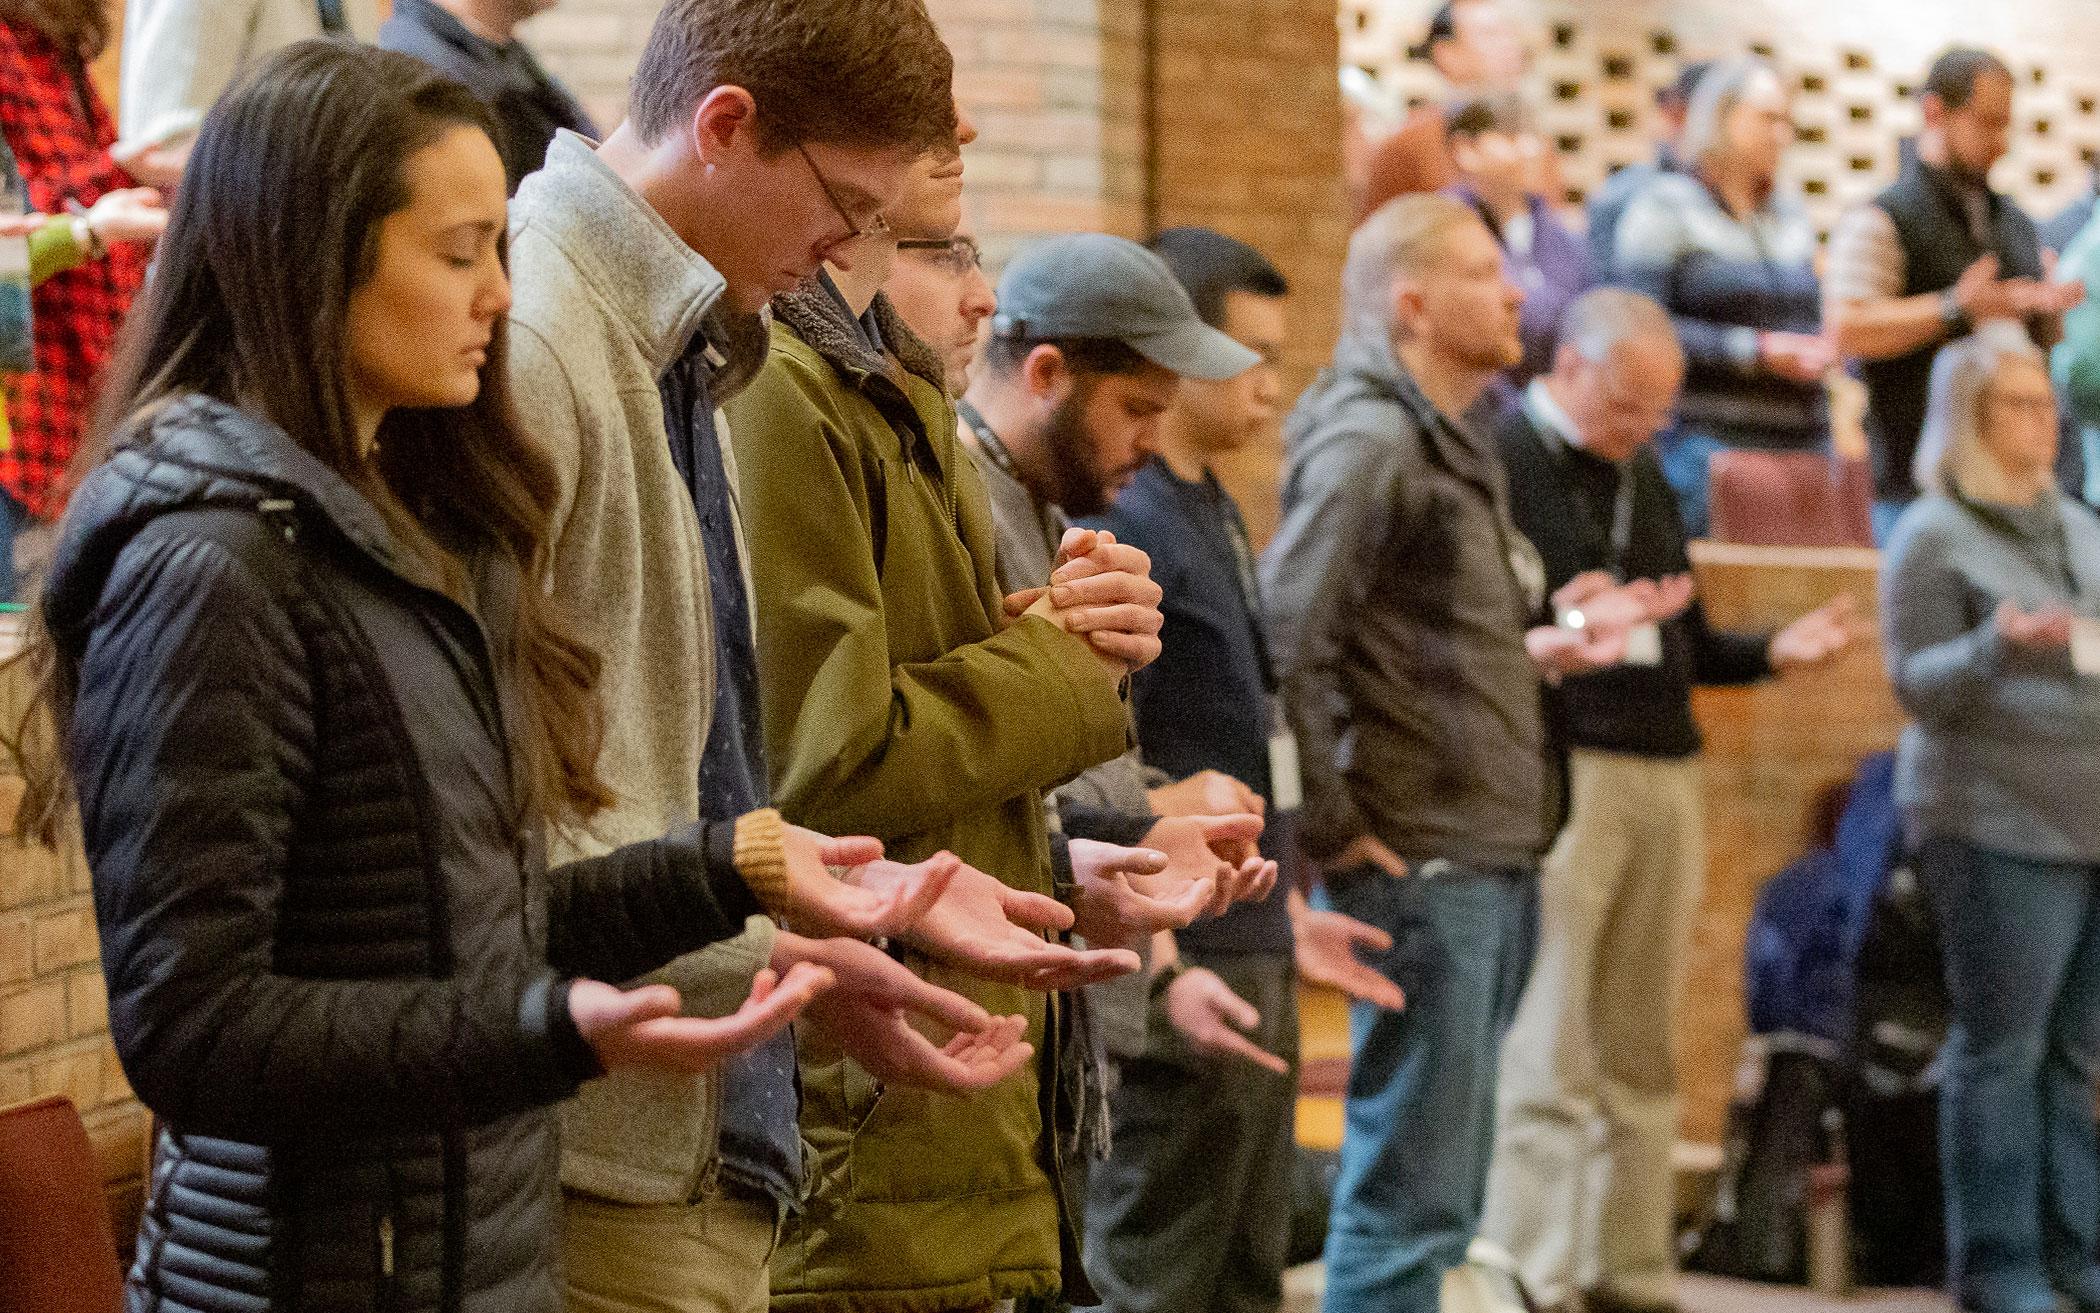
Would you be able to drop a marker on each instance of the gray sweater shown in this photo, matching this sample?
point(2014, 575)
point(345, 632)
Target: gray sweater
point(606, 297)
point(2005, 750)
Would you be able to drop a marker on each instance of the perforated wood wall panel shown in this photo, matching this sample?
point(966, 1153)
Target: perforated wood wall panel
point(1853, 68)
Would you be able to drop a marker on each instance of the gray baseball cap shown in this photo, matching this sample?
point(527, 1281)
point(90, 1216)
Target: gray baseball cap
point(1095, 285)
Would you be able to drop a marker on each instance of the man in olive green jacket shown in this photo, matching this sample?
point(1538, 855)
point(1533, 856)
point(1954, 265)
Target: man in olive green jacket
point(896, 694)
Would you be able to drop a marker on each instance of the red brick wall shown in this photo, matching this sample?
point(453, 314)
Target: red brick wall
point(1234, 122)
point(1249, 143)
point(1134, 116)
point(54, 1013)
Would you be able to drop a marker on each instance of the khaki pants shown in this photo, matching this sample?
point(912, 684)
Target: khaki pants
point(1581, 1192)
point(707, 1257)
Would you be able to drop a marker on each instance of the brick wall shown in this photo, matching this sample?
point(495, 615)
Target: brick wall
point(1771, 750)
point(1232, 122)
point(54, 1013)
point(1249, 142)
point(1129, 117)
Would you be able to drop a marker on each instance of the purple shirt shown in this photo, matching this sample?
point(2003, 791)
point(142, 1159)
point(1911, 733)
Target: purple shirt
point(1553, 272)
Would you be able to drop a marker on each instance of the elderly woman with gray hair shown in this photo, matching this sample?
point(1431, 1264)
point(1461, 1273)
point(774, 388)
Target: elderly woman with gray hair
point(1988, 594)
point(1732, 261)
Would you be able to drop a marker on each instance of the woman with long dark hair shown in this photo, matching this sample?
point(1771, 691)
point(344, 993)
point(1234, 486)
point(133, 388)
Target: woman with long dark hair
point(60, 134)
point(319, 710)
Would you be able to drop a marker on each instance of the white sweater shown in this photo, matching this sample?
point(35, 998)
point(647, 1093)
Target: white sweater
point(180, 54)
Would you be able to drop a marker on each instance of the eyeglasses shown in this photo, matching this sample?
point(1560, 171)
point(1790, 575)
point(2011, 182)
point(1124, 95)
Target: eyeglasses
point(875, 226)
point(956, 255)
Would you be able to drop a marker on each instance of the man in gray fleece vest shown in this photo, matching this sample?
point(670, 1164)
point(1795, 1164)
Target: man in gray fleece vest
point(1406, 607)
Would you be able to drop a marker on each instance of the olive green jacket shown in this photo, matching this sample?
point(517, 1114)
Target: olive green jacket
point(899, 704)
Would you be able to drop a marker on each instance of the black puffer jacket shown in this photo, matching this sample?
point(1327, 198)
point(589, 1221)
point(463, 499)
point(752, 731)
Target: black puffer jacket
point(338, 967)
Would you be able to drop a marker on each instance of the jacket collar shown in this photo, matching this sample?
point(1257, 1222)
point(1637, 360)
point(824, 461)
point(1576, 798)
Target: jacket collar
point(442, 25)
point(817, 315)
point(198, 451)
point(1377, 368)
point(659, 288)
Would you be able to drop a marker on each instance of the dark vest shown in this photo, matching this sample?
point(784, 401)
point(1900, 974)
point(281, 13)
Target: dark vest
point(1937, 247)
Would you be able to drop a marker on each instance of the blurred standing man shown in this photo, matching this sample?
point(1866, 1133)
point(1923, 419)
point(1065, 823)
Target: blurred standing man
point(1932, 257)
point(1404, 604)
point(1497, 154)
point(475, 43)
point(1593, 1043)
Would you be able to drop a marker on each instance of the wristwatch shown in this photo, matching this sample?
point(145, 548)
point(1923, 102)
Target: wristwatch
point(84, 235)
point(88, 242)
point(1952, 317)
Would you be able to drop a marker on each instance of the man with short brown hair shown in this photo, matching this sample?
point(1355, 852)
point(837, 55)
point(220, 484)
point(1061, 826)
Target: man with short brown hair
point(765, 135)
point(1934, 255)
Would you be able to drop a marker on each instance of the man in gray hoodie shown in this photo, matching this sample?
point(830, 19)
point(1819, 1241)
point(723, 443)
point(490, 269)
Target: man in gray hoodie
point(1407, 610)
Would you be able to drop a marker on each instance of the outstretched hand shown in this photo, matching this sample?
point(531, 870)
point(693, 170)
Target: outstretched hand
point(2047, 627)
point(1326, 944)
point(1819, 636)
point(1206, 793)
point(870, 1016)
point(1558, 652)
point(134, 214)
point(1219, 847)
point(1211, 1018)
point(642, 1027)
point(824, 904)
point(1603, 603)
point(982, 926)
point(1109, 908)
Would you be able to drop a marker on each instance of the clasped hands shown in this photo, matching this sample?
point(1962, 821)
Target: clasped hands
point(1101, 590)
point(1983, 295)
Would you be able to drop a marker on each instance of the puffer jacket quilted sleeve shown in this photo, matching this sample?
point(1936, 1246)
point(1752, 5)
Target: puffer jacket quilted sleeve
point(624, 914)
point(191, 789)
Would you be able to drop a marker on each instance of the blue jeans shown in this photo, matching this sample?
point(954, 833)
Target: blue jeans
point(1886, 513)
point(2017, 1134)
point(1420, 1122)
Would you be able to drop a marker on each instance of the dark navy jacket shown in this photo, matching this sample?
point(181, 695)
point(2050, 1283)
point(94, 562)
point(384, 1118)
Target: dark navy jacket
point(1204, 704)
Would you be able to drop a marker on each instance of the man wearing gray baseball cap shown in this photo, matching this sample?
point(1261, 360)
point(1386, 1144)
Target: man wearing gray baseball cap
point(1089, 346)
point(1091, 340)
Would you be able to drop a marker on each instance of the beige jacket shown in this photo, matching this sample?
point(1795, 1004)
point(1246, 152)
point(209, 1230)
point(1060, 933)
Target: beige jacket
point(179, 55)
point(606, 296)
